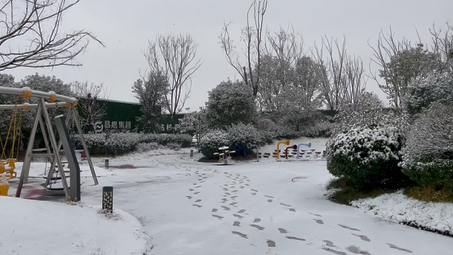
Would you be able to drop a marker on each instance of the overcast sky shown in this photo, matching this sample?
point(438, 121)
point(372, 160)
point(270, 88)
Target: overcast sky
point(126, 26)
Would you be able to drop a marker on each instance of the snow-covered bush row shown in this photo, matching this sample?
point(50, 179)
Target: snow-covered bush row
point(366, 156)
point(241, 135)
point(184, 140)
point(237, 135)
point(428, 155)
point(119, 143)
point(113, 144)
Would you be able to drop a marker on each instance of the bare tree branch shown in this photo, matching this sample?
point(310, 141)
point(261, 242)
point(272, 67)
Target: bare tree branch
point(174, 56)
point(39, 22)
point(252, 36)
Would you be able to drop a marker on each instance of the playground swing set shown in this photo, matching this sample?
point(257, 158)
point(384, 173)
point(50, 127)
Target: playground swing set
point(52, 148)
point(8, 164)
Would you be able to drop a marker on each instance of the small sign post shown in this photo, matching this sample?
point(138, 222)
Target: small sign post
point(107, 199)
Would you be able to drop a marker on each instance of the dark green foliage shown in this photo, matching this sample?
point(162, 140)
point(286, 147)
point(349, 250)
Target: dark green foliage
point(367, 157)
point(230, 103)
point(120, 143)
point(151, 94)
point(428, 155)
point(241, 135)
point(212, 141)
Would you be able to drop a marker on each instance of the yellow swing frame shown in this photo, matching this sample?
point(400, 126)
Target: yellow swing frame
point(8, 165)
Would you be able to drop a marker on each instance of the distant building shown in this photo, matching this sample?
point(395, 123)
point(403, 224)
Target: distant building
point(108, 115)
point(112, 116)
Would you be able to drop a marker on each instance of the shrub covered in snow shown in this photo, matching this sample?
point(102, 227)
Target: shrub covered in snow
point(121, 143)
point(435, 87)
point(366, 156)
point(212, 141)
point(428, 155)
point(113, 144)
point(241, 135)
point(184, 140)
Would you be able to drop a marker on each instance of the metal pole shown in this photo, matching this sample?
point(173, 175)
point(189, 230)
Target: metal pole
point(70, 155)
point(56, 152)
point(85, 147)
point(27, 159)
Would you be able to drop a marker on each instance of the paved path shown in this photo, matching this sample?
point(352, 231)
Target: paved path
point(252, 208)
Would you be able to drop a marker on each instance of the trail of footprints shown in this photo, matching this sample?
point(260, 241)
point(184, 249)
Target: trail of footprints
point(229, 205)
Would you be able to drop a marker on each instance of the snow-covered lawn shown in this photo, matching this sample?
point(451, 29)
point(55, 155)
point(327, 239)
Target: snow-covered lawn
point(182, 206)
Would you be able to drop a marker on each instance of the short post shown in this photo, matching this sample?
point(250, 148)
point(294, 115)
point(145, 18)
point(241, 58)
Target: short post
point(191, 153)
point(107, 163)
point(107, 199)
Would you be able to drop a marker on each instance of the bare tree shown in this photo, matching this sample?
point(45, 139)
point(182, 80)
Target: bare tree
point(91, 111)
point(252, 36)
point(283, 51)
point(387, 48)
point(39, 22)
point(342, 81)
point(286, 45)
point(82, 89)
point(353, 92)
point(174, 57)
point(442, 47)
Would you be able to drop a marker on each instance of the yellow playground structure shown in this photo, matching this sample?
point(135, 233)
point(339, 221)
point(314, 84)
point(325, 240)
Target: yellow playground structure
point(13, 137)
point(10, 134)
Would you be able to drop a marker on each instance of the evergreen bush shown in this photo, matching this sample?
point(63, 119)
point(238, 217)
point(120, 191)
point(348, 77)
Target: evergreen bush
point(212, 141)
point(242, 135)
point(428, 154)
point(367, 156)
point(120, 143)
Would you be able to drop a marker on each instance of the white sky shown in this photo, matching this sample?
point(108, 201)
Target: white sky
point(126, 28)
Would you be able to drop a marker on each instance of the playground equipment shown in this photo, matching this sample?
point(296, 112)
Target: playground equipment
point(300, 145)
point(52, 150)
point(294, 147)
point(4, 186)
point(8, 164)
point(224, 154)
point(278, 147)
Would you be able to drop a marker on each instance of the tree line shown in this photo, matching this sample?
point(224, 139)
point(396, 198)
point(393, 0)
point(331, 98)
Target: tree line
point(287, 83)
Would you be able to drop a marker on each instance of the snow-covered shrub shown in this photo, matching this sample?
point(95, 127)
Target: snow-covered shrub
point(212, 141)
point(184, 140)
point(113, 144)
point(240, 135)
point(371, 113)
point(320, 128)
point(120, 143)
point(144, 147)
point(266, 125)
point(286, 132)
point(268, 136)
point(428, 155)
point(366, 156)
point(435, 87)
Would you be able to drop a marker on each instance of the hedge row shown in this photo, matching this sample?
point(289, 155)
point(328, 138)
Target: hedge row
point(121, 143)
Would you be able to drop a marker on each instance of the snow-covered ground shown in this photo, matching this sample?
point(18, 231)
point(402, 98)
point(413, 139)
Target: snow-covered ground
point(168, 203)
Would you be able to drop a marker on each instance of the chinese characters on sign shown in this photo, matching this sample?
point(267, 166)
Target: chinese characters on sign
point(107, 126)
point(116, 126)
